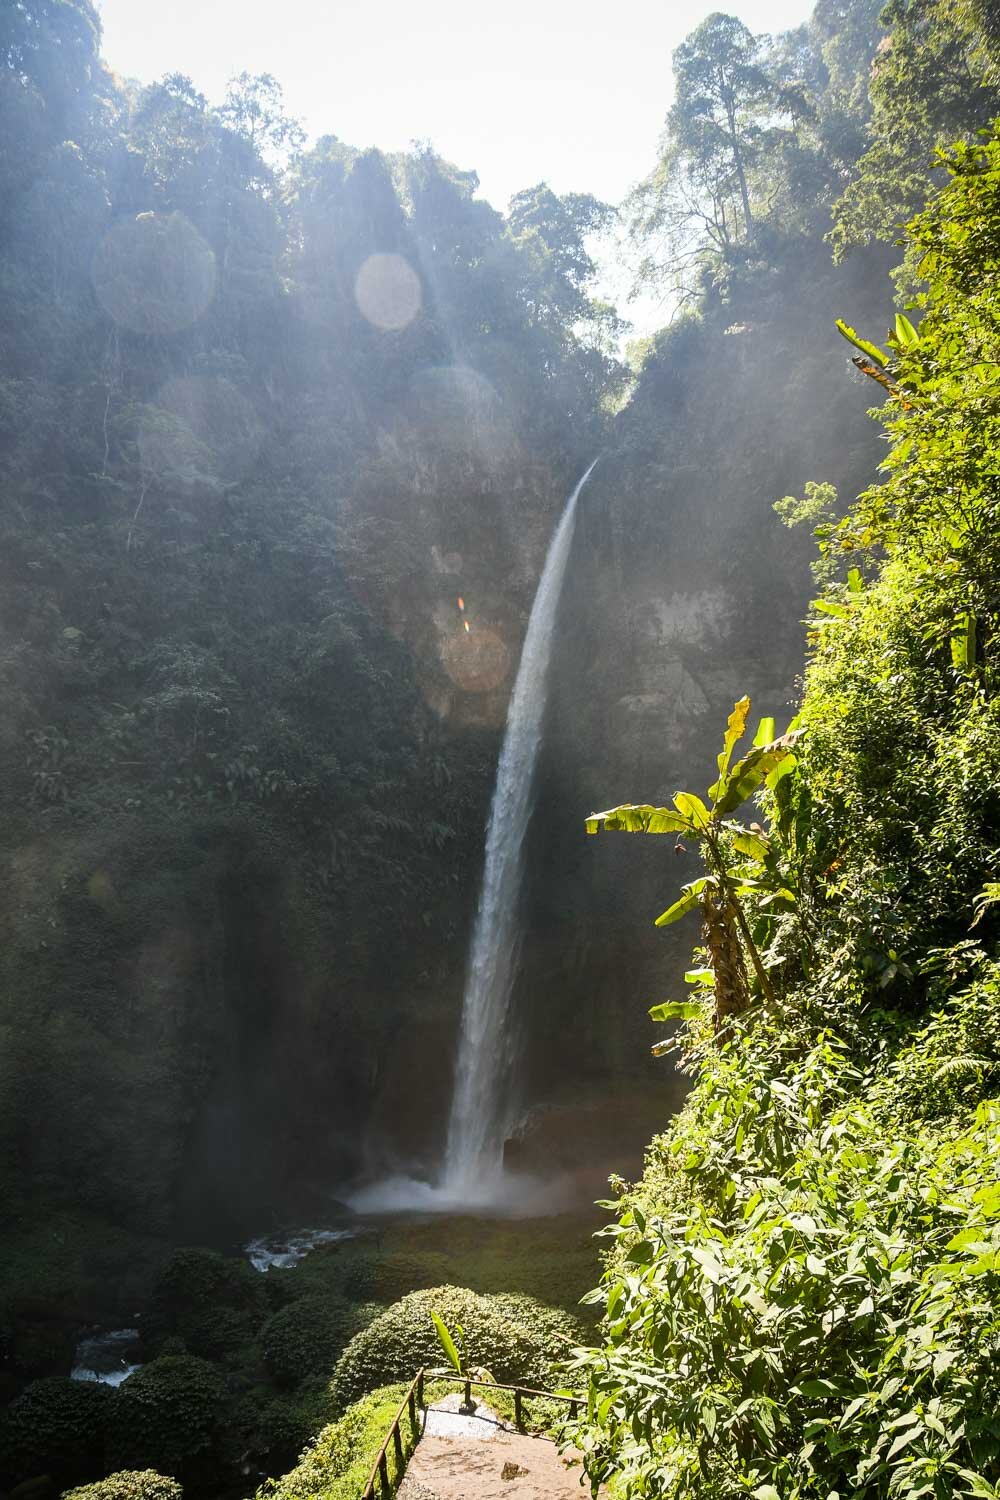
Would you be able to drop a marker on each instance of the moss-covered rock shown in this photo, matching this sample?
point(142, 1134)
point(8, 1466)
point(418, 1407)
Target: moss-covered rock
point(516, 1338)
point(57, 1427)
point(129, 1484)
point(165, 1417)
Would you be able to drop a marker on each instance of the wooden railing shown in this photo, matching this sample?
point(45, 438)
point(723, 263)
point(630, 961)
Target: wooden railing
point(379, 1482)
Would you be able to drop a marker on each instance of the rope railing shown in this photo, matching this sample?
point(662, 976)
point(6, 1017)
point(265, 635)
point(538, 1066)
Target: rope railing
point(379, 1486)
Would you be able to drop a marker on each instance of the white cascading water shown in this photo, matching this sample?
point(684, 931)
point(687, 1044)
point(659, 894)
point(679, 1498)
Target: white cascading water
point(477, 1127)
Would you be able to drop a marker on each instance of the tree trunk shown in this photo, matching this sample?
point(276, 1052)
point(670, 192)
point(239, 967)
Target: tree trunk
point(721, 938)
point(741, 175)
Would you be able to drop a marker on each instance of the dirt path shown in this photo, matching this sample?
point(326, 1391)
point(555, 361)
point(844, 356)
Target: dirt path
point(478, 1458)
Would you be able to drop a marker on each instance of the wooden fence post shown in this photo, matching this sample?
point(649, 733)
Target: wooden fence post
point(518, 1414)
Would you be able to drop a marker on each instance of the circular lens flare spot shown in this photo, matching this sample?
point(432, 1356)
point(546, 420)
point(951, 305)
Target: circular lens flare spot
point(387, 291)
point(477, 663)
point(154, 273)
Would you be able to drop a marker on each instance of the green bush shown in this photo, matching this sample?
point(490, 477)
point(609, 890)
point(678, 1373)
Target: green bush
point(304, 1339)
point(358, 1275)
point(831, 1291)
point(59, 1427)
point(213, 1302)
point(516, 1338)
point(165, 1416)
point(129, 1484)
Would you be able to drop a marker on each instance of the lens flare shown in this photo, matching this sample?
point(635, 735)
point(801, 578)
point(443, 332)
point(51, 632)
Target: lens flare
point(154, 273)
point(476, 666)
point(387, 291)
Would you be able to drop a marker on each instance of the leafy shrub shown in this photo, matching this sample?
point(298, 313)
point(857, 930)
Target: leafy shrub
point(165, 1415)
point(358, 1275)
point(172, 1345)
point(304, 1339)
point(129, 1484)
point(213, 1302)
point(815, 1315)
point(56, 1426)
point(952, 1061)
point(516, 1338)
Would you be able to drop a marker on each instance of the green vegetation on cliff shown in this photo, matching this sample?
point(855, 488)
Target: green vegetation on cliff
point(803, 1298)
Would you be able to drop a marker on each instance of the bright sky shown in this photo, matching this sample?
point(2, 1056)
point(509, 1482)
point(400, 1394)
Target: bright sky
point(523, 91)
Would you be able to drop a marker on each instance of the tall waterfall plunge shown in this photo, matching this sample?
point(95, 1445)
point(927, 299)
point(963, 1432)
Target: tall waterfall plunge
point(478, 1123)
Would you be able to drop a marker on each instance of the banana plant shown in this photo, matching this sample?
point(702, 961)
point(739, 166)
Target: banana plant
point(455, 1352)
point(718, 893)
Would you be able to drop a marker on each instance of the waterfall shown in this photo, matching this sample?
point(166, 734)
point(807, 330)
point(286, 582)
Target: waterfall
point(476, 1129)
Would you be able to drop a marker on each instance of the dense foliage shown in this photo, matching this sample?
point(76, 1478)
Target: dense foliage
point(804, 1298)
point(303, 1340)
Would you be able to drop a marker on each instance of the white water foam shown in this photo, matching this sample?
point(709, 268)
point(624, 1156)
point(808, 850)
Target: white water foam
point(106, 1357)
point(284, 1250)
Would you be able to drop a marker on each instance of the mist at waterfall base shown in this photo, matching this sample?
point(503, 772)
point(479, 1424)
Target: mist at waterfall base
point(473, 1174)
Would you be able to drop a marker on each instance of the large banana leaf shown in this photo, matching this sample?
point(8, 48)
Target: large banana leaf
point(676, 1010)
point(735, 730)
point(692, 809)
point(751, 772)
point(872, 350)
point(687, 902)
point(639, 818)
